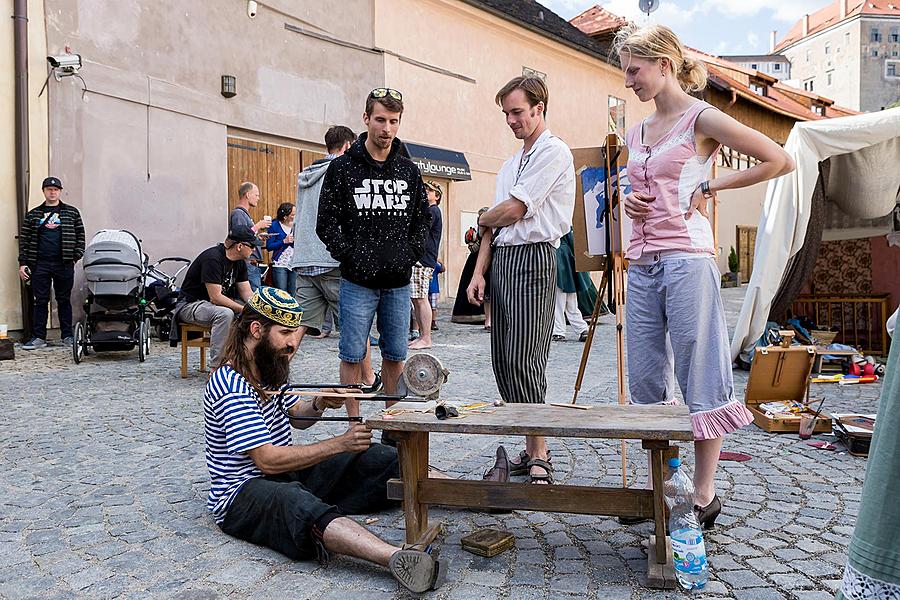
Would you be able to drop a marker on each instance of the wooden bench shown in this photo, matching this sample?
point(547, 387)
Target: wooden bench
point(187, 341)
point(655, 426)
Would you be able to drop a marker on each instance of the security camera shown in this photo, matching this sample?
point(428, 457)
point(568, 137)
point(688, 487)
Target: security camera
point(252, 8)
point(67, 62)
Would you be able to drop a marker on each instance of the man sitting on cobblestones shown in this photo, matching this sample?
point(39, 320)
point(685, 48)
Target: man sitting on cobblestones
point(293, 498)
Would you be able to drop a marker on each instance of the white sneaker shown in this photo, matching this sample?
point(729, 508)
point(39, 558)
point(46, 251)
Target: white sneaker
point(34, 344)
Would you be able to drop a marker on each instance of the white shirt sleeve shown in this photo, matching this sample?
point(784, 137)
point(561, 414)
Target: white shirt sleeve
point(542, 173)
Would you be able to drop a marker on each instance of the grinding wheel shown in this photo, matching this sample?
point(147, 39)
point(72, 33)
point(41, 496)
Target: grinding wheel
point(423, 376)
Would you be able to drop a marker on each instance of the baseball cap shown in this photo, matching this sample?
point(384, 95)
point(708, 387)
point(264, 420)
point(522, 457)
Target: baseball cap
point(244, 235)
point(52, 182)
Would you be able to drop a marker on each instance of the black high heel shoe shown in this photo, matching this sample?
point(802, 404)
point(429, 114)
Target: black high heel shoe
point(706, 515)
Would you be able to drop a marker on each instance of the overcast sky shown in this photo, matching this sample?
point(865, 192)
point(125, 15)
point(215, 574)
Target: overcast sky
point(714, 26)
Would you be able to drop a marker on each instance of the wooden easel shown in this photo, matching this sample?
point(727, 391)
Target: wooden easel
point(614, 275)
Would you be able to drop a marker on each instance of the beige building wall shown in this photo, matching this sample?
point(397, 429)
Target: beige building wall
point(145, 148)
point(737, 207)
point(476, 53)
point(10, 304)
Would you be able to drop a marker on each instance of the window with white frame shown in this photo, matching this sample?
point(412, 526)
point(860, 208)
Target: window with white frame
point(892, 69)
point(827, 48)
point(874, 52)
point(808, 55)
point(895, 35)
point(874, 35)
point(828, 77)
point(776, 66)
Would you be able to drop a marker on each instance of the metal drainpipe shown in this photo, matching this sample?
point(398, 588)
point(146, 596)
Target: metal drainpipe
point(20, 43)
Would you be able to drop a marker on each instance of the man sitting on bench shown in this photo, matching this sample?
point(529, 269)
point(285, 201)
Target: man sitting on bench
point(293, 498)
point(212, 282)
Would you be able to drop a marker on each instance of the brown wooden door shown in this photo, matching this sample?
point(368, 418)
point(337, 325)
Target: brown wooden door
point(745, 240)
point(271, 167)
point(308, 157)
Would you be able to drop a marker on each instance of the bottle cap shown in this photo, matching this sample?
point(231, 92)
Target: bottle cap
point(675, 462)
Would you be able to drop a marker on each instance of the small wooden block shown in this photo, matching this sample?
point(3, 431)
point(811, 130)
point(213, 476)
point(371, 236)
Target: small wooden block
point(428, 536)
point(660, 576)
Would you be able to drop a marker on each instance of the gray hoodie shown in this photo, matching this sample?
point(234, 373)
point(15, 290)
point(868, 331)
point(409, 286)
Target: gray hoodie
point(309, 251)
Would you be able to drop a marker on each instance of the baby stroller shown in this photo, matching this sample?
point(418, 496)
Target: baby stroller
point(161, 295)
point(115, 315)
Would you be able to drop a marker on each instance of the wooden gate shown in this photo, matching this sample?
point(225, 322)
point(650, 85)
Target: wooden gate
point(271, 167)
point(745, 242)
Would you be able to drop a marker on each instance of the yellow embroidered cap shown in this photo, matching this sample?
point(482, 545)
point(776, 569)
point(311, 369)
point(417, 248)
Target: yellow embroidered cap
point(276, 305)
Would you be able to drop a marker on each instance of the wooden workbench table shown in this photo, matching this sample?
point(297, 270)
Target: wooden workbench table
point(656, 426)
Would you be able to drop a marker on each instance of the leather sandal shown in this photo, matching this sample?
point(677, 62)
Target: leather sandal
point(521, 467)
point(541, 477)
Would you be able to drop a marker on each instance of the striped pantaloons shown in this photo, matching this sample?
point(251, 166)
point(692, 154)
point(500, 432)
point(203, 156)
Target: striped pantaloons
point(523, 288)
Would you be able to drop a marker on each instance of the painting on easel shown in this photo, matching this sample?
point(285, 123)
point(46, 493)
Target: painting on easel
point(595, 203)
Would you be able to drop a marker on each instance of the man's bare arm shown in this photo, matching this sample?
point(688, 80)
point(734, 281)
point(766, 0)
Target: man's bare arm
point(506, 213)
point(214, 290)
point(272, 459)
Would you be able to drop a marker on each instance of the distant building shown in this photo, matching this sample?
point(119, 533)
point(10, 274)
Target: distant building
point(775, 65)
point(848, 51)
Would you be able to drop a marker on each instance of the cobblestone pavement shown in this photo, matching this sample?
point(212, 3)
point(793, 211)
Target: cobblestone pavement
point(103, 485)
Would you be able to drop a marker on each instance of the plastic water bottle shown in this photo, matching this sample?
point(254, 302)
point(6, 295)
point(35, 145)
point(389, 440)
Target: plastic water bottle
point(688, 549)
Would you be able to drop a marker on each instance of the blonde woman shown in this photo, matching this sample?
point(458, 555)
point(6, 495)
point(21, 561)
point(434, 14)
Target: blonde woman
point(673, 280)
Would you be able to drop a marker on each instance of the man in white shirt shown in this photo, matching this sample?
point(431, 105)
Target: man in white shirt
point(532, 210)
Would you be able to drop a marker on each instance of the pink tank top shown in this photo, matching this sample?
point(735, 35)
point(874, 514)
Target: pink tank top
point(670, 170)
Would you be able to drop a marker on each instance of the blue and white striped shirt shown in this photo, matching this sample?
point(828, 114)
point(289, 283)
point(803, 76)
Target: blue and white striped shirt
point(236, 422)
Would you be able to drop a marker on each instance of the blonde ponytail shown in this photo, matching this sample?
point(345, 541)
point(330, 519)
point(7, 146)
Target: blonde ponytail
point(692, 75)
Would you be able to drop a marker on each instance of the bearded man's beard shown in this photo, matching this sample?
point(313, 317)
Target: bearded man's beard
point(272, 364)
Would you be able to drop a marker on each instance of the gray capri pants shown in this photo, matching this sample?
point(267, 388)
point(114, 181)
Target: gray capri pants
point(675, 321)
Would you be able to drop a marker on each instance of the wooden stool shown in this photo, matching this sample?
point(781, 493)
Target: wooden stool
point(200, 342)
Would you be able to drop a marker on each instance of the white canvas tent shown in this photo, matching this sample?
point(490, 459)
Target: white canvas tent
point(861, 194)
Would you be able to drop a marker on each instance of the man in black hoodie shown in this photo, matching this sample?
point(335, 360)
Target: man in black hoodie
point(373, 219)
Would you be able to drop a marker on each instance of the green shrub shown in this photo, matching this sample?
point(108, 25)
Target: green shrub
point(732, 261)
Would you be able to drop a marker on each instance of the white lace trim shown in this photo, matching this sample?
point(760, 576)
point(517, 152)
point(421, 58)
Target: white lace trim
point(639, 155)
point(857, 586)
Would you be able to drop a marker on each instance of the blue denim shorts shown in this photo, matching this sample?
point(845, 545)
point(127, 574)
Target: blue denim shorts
point(358, 307)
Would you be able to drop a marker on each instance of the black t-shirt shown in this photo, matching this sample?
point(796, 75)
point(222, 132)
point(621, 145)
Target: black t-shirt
point(49, 236)
point(212, 266)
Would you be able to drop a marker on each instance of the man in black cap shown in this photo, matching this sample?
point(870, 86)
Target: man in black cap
point(215, 287)
point(50, 243)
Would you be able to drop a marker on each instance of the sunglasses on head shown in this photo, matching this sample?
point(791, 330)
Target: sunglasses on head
point(382, 92)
